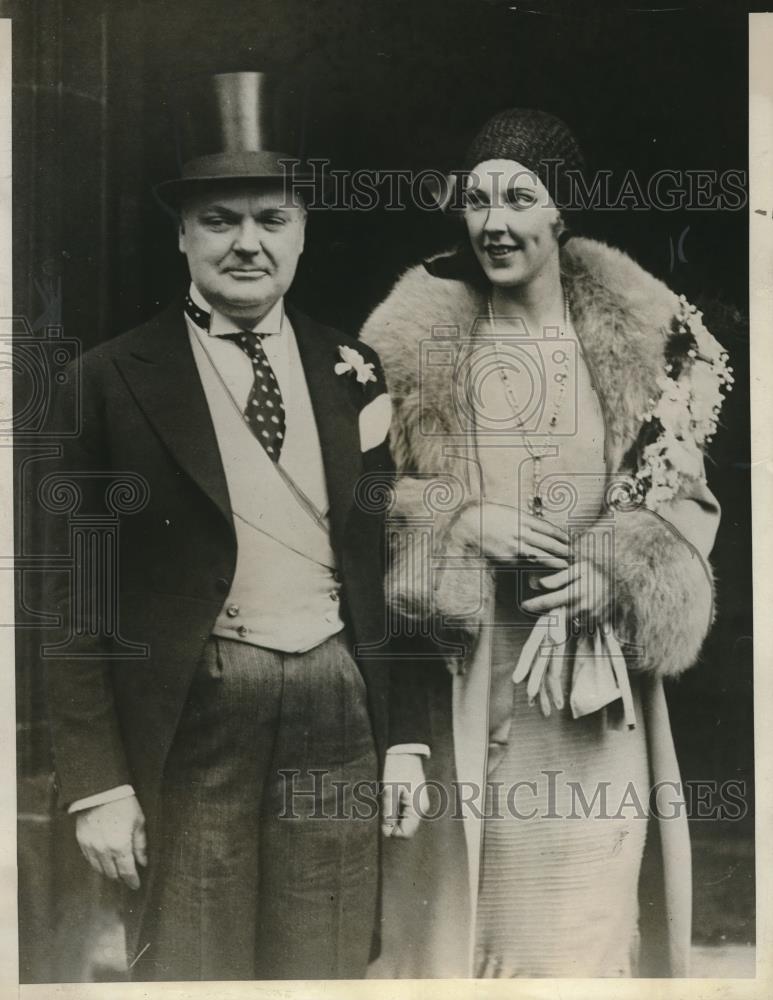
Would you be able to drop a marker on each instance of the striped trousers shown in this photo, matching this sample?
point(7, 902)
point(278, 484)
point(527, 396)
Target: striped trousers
point(265, 868)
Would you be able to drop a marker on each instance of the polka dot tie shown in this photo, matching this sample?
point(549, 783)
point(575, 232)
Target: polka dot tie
point(265, 412)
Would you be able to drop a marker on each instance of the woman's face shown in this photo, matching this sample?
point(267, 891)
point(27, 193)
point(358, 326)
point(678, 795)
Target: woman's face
point(511, 220)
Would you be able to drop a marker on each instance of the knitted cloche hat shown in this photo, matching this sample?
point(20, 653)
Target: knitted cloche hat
point(538, 141)
point(535, 139)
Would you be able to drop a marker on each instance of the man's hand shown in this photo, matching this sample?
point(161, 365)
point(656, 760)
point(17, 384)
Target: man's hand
point(405, 795)
point(583, 589)
point(112, 837)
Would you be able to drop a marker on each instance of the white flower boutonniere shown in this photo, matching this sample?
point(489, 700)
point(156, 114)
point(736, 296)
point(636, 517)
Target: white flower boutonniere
point(353, 361)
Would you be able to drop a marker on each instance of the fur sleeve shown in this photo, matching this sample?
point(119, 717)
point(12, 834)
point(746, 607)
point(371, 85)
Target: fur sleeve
point(432, 574)
point(663, 603)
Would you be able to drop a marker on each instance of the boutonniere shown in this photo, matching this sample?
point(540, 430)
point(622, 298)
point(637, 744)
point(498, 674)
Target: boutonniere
point(353, 361)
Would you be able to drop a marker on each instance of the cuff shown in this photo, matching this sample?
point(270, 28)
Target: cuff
point(101, 798)
point(418, 748)
point(662, 586)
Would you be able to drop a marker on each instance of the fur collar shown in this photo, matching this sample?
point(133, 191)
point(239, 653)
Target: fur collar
point(621, 314)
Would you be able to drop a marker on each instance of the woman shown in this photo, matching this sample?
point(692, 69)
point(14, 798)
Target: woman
point(559, 397)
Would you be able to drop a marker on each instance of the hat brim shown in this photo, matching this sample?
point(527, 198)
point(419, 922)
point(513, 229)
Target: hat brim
point(172, 193)
point(234, 168)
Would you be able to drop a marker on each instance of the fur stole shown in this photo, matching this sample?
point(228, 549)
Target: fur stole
point(625, 319)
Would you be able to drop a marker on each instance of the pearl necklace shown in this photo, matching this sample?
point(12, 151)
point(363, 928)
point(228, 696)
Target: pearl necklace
point(561, 378)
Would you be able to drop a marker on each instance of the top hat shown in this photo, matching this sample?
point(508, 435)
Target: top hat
point(236, 126)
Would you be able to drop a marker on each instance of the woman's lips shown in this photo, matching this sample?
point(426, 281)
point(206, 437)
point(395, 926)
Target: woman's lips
point(501, 252)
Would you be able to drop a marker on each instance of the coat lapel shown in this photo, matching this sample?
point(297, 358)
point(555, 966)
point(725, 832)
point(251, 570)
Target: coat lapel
point(336, 417)
point(161, 373)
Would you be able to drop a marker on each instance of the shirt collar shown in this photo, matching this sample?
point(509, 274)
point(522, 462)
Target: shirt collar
point(220, 326)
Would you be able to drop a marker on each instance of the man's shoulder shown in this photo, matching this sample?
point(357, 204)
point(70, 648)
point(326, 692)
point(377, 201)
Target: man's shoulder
point(334, 336)
point(134, 340)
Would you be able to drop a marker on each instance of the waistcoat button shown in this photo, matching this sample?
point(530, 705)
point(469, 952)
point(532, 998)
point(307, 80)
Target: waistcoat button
point(232, 610)
point(242, 630)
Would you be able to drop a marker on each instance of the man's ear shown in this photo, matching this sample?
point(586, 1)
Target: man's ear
point(304, 220)
point(181, 236)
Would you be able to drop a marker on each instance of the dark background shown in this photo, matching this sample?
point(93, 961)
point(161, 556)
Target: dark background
point(399, 85)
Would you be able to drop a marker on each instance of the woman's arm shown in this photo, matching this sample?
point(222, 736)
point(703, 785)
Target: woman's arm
point(661, 583)
point(442, 551)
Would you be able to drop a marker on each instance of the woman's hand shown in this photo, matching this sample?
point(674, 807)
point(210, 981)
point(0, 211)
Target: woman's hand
point(582, 588)
point(508, 534)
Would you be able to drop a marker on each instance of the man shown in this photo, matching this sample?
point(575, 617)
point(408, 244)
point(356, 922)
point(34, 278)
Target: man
point(222, 775)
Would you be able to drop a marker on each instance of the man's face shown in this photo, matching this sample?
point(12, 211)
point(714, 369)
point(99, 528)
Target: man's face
point(243, 244)
point(511, 221)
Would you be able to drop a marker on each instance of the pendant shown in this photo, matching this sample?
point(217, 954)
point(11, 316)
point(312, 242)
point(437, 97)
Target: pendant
point(536, 505)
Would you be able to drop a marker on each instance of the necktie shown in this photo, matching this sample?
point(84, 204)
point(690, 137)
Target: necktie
point(264, 413)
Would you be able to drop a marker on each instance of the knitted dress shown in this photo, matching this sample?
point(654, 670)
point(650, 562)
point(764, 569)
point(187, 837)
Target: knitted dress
point(557, 888)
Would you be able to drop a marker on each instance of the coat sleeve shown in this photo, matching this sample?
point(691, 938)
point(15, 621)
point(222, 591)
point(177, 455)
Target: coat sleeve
point(88, 750)
point(408, 708)
point(660, 578)
point(434, 610)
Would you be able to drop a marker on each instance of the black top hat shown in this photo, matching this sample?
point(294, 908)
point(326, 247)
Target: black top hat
point(236, 126)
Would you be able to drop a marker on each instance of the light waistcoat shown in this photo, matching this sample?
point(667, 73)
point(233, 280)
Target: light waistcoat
point(285, 593)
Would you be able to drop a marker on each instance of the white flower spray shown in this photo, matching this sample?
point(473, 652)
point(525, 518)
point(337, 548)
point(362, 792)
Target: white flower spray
point(686, 410)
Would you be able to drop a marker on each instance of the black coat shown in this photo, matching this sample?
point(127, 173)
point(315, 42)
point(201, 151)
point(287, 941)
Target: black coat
point(144, 413)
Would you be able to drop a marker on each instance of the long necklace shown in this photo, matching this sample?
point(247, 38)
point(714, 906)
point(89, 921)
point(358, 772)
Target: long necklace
point(561, 378)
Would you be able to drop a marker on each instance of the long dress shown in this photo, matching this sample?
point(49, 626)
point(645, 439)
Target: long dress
point(558, 888)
